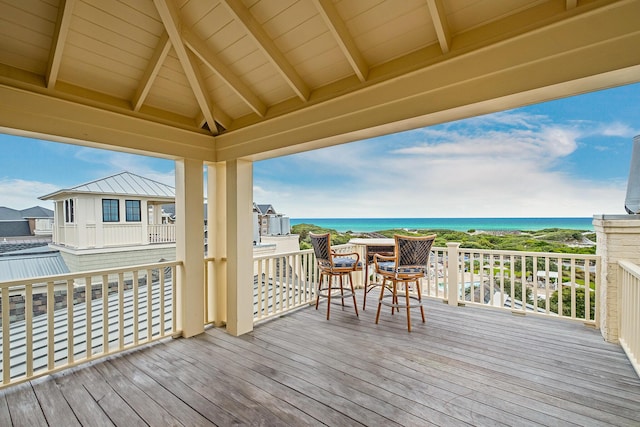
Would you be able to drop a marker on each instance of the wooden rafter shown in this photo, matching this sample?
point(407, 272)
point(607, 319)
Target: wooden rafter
point(268, 47)
point(172, 24)
point(199, 48)
point(155, 63)
point(343, 37)
point(440, 23)
point(65, 11)
point(571, 4)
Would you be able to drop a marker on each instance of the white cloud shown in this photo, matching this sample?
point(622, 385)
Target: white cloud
point(502, 165)
point(618, 129)
point(21, 194)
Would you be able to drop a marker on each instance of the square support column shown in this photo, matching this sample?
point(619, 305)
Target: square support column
point(190, 246)
point(217, 242)
point(618, 237)
point(239, 191)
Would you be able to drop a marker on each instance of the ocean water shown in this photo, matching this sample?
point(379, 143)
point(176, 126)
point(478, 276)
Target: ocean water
point(458, 224)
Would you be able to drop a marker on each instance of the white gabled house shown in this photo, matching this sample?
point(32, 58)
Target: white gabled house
point(114, 221)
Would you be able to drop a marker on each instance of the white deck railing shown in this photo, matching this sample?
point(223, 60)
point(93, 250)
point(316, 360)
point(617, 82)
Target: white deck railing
point(629, 298)
point(282, 283)
point(542, 283)
point(48, 323)
point(162, 233)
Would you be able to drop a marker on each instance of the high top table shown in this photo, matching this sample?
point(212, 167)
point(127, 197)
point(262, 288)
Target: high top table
point(382, 246)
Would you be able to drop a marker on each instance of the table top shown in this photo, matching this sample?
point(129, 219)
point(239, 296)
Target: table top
point(373, 241)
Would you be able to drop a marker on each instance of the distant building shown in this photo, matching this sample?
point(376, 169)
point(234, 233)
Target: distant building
point(35, 221)
point(272, 231)
point(112, 222)
point(267, 222)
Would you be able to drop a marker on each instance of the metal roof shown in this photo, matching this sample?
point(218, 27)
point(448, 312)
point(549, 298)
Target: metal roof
point(27, 265)
point(124, 183)
point(37, 212)
point(8, 214)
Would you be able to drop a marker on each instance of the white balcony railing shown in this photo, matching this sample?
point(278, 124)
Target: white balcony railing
point(49, 323)
point(547, 284)
point(162, 233)
point(629, 333)
point(542, 283)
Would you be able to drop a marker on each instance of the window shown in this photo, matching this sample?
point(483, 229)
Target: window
point(133, 210)
point(110, 210)
point(69, 211)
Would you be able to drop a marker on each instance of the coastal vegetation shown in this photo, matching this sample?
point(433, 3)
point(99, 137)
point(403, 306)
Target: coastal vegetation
point(546, 240)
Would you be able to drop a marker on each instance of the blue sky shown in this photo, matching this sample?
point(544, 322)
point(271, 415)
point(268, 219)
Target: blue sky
point(568, 157)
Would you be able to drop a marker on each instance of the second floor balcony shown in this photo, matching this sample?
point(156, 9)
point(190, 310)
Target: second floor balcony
point(477, 360)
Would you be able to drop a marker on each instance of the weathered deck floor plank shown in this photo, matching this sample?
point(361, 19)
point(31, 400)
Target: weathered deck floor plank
point(465, 366)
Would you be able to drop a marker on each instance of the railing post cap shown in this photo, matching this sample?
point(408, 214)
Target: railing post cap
point(453, 244)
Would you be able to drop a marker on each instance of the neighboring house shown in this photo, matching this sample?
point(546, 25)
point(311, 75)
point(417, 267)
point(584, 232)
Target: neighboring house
point(114, 221)
point(269, 222)
point(272, 231)
point(35, 221)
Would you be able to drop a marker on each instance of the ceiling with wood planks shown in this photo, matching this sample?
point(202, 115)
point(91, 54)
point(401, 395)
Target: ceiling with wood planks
point(254, 79)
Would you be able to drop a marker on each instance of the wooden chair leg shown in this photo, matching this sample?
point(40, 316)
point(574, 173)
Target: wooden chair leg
point(420, 300)
point(406, 295)
point(394, 298)
point(342, 289)
point(353, 294)
point(319, 290)
point(330, 278)
point(384, 281)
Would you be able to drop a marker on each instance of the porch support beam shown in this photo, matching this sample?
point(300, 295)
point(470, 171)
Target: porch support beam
point(618, 239)
point(189, 246)
point(217, 242)
point(239, 195)
point(36, 115)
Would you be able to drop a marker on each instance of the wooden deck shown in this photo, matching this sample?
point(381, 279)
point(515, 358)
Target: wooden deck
point(465, 366)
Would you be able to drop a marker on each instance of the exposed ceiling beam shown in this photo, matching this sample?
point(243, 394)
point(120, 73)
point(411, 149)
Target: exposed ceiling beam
point(571, 4)
point(40, 115)
point(268, 47)
point(199, 48)
point(155, 63)
point(441, 24)
point(343, 37)
point(65, 10)
point(494, 78)
point(172, 24)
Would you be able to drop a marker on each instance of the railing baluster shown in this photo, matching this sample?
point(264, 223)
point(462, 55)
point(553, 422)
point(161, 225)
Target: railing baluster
point(6, 338)
point(70, 328)
point(587, 289)
point(50, 332)
point(28, 319)
point(573, 288)
point(269, 275)
point(136, 309)
point(88, 298)
point(105, 314)
point(162, 326)
point(174, 320)
point(149, 306)
point(120, 311)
